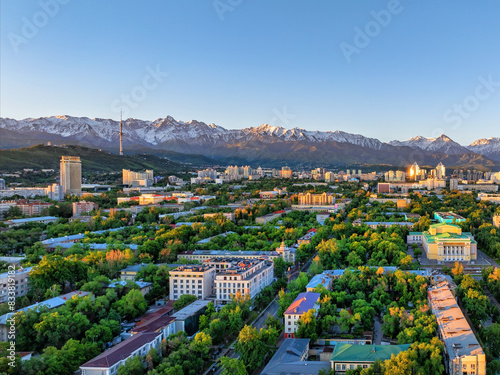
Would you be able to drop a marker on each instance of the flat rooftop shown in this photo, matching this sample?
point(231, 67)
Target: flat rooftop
point(455, 331)
point(190, 309)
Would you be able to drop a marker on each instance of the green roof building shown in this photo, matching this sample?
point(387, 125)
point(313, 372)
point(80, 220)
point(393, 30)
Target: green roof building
point(349, 357)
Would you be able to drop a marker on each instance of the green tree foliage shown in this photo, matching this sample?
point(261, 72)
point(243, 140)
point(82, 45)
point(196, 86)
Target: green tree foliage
point(254, 346)
point(232, 366)
point(131, 305)
point(183, 301)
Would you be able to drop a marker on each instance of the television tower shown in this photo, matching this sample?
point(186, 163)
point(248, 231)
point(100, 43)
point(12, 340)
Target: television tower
point(121, 134)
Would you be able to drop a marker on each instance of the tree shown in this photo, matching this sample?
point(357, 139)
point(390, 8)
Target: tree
point(232, 366)
point(254, 346)
point(131, 305)
point(493, 339)
point(132, 366)
point(13, 212)
point(307, 326)
point(201, 344)
point(184, 300)
point(217, 330)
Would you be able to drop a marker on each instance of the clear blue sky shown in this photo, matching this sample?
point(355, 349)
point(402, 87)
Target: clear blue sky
point(255, 62)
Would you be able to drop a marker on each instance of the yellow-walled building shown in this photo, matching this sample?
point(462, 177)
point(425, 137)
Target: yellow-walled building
point(446, 243)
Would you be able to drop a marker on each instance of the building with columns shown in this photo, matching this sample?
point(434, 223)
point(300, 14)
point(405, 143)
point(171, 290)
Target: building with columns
point(323, 199)
point(446, 243)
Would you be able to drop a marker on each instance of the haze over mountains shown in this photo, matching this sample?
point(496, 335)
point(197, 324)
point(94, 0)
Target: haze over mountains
point(265, 144)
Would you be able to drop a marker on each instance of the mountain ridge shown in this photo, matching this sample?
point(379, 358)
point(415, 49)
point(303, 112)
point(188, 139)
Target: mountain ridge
point(252, 143)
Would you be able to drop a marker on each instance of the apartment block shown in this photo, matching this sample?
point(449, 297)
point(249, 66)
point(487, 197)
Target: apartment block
point(462, 352)
point(323, 199)
point(83, 207)
point(18, 280)
point(197, 280)
point(302, 304)
point(131, 178)
point(246, 276)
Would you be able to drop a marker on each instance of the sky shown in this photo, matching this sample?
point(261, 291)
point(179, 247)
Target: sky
point(384, 69)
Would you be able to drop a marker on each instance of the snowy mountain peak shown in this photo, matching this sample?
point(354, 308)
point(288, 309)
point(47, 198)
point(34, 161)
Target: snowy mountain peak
point(170, 133)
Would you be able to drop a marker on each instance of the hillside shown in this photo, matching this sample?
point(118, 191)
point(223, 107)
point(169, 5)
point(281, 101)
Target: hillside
point(48, 157)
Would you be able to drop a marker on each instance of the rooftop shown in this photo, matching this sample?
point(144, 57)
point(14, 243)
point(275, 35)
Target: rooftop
point(365, 353)
point(303, 303)
point(287, 360)
point(121, 351)
point(19, 271)
point(32, 219)
point(455, 331)
point(190, 309)
point(192, 268)
point(50, 303)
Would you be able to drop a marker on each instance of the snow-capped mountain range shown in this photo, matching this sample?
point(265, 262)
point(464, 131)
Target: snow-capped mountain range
point(210, 139)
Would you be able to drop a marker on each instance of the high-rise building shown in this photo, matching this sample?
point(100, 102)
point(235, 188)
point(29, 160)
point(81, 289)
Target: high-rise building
point(440, 171)
point(453, 183)
point(2, 184)
point(71, 174)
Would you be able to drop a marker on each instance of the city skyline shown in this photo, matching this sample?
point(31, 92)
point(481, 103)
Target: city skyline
point(370, 69)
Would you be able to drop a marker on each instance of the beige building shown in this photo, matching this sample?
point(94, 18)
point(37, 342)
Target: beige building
point(287, 253)
point(132, 178)
point(462, 352)
point(197, 280)
point(496, 220)
point(71, 174)
point(286, 172)
point(246, 276)
point(446, 243)
point(316, 199)
point(83, 207)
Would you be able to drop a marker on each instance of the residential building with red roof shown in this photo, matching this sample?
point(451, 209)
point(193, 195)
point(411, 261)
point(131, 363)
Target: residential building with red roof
point(302, 304)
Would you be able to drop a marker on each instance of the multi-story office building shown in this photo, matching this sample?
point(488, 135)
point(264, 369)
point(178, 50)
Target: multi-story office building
point(2, 184)
point(462, 352)
point(302, 304)
point(197, 280)
point(446, 243)
point(19, 280)
point(83, 207)
point(71, 174)
point(316, 199)
point(286, 172)
point(245, 276)
point(131, 178)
